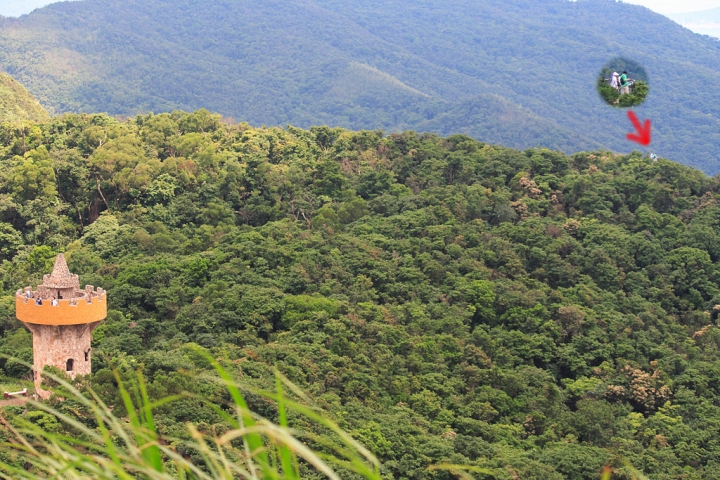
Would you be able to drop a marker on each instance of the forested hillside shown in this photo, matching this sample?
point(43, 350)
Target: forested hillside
point(443, 299)
point(520, 73)
point(17, 105)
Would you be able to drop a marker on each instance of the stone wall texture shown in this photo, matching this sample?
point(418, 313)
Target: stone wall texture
point(55, 345)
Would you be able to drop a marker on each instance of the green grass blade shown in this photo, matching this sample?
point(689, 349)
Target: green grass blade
point(355, 452)
point(255, 443)
point(151, 453)
point(285, 454)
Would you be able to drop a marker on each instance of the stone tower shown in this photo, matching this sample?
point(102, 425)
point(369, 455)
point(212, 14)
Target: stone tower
point(61, 318)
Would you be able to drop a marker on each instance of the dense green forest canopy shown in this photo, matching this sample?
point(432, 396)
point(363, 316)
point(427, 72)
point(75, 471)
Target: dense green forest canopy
point(520, 73)
point(444, 299)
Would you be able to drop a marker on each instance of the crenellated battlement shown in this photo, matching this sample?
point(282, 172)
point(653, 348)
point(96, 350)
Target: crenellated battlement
point(40, 309)
point(60, 300)
point(43, 293)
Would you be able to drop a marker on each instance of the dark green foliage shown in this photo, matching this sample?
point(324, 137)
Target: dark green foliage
point(447, 301)
point(636, 97)
point(576, 462)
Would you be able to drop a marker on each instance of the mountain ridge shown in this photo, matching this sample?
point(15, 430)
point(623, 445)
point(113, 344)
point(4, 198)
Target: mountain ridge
point(275, 63)
point(706, 22)
point(16, 103)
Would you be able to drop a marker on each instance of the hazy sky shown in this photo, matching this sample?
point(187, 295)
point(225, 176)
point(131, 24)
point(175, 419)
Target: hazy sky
point(19, 7)
point(676, 6)
point(15, 8)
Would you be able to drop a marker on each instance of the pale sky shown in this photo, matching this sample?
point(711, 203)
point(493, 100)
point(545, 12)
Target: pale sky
point(676, 6)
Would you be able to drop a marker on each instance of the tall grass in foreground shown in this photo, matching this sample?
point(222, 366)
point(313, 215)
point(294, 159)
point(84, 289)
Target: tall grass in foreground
point(254, 448)
point(130, 448)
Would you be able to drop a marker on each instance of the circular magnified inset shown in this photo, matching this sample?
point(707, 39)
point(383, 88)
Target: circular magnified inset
point(623, 83)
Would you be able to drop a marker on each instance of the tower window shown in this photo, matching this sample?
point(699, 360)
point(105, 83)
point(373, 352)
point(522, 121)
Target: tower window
point(69, 365)
point(87, 355)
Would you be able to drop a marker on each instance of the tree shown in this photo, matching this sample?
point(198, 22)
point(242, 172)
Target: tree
point(34, 177)
point(120, 168)
point(10, 241)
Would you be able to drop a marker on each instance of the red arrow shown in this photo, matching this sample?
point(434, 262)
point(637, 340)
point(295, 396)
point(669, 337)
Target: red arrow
point(643, 136)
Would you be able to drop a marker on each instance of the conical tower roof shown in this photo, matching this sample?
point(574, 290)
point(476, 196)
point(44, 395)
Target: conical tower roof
point(61, 276)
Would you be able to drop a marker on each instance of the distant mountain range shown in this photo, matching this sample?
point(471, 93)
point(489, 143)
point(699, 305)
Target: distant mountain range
point(706, 22)
point(517, 72)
